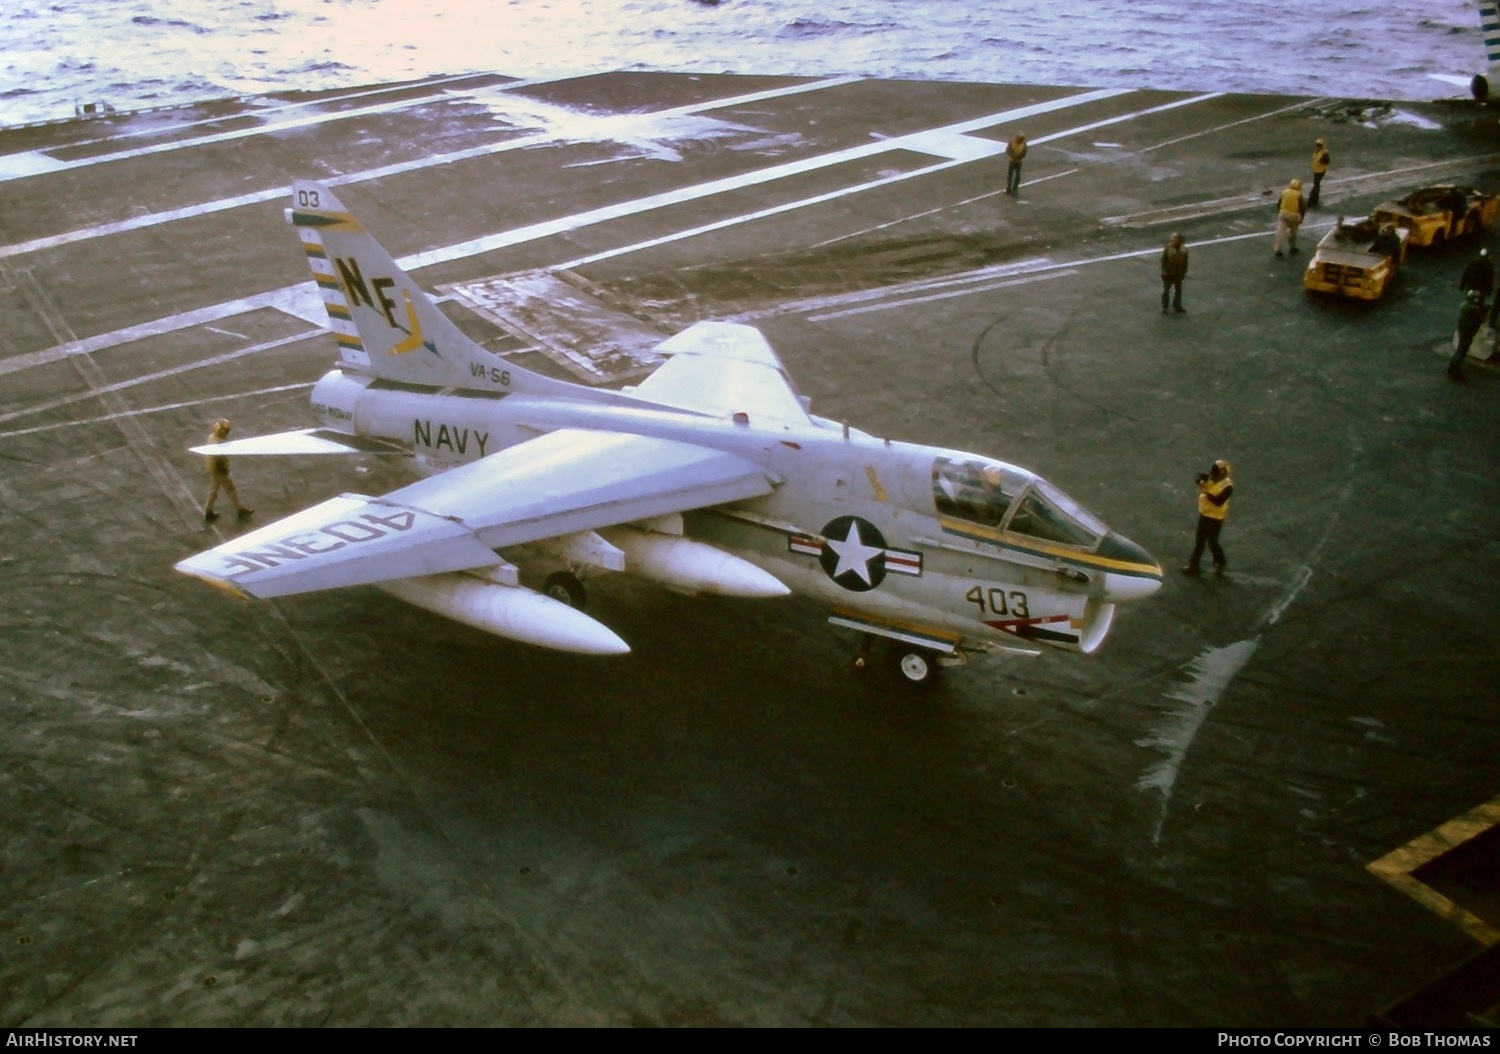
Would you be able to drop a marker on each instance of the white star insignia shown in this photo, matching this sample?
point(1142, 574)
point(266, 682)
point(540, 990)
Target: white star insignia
point(854, 555)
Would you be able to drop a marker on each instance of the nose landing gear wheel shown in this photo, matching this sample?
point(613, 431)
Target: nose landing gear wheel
point(915, 667)
point(564, 586)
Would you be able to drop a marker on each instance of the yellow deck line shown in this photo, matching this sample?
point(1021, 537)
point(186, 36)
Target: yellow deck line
point(1396, 867)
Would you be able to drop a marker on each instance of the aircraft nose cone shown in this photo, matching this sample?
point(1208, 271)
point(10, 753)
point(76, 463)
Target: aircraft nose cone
point(1133, 573)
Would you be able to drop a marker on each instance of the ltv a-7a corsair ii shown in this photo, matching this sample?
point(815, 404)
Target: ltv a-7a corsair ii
point(710, 476)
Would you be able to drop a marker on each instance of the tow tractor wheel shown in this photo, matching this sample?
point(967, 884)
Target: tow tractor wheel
point(565, 587)
point(916, 667)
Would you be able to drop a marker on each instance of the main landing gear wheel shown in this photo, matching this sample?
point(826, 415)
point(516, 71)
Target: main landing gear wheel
point(916, 667)
point(565, 587)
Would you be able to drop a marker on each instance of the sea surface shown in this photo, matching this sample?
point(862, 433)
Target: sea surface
point(59, 54)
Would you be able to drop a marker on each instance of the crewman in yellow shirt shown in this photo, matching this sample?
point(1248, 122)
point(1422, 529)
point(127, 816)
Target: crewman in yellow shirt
point(1290, 209)
point(1015, 150)
point(1321, 161)
point(1214, 490)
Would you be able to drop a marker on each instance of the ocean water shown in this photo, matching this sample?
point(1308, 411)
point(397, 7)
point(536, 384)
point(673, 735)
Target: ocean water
point(55, 54)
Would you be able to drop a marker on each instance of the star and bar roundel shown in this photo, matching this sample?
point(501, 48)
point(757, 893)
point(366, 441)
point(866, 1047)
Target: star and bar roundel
point(853, 553)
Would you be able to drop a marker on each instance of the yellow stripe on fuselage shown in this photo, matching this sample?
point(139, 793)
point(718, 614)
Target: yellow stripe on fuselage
point(1004, 540)
point(912, 628)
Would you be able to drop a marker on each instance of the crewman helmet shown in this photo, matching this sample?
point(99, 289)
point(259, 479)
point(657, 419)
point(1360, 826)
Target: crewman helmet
point(1295, 184)
point(221, 427)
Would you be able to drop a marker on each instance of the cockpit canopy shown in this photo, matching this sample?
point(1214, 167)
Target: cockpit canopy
point(1001, 496)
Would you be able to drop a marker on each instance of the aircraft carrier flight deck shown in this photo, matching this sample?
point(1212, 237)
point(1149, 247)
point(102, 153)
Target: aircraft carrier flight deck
point(1266, 800)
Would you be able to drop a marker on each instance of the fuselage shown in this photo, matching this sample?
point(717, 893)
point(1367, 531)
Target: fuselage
point(935, 546)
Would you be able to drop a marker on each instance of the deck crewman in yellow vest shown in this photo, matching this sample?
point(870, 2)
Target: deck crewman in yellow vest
point(1290, 209)
point(1214, 489)
point(1321, 161)
point(1015, 150)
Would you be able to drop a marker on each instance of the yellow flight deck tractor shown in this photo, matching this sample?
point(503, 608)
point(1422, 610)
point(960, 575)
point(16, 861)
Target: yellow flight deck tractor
point(1439, 213)
point(1356, 259)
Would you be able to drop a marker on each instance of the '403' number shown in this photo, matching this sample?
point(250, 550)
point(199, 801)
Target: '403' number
point(998, 602)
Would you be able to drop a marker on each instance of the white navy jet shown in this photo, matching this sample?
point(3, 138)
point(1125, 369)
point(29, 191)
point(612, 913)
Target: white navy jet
point(710, 476)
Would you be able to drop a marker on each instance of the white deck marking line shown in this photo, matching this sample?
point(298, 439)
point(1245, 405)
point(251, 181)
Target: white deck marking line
point(153, 219)
point(960, 148)
point(277, 297)
point(563, 224)
point(973, 281)
point(188, 367)
point(292, 300)
point(911, 141)
point(760, 214)
point(997, 193)
point(1163, 108)
point(523, 142)
point(32, 162)
point(157, 409)
point(966, 291)
point(933, 212)
point(947, 207)
point(283, 300)
point(441, 97)
point(136, 440)
point(1219, 128)
point(1363, 182)
point(438, 94)
point(285, 125)
point(214, 313)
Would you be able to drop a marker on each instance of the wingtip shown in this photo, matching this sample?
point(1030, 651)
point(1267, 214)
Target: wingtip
point(186, 567)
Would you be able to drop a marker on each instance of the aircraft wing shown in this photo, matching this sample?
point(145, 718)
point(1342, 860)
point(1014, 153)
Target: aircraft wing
point(566, 481)
point(723, 368)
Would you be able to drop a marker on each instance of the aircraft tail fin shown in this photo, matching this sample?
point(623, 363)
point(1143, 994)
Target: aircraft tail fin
point(1489, 21)
point(1489, 28)
point(383, 321)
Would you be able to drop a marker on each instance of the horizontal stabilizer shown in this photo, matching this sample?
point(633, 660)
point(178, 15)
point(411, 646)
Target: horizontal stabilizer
point(302, 441)
point(724, 368)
